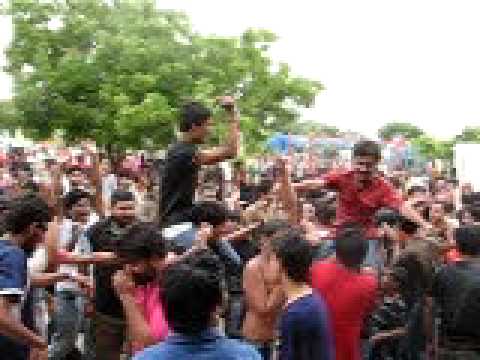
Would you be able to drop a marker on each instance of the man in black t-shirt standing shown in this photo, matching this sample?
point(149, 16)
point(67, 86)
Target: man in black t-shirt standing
point(183, 161)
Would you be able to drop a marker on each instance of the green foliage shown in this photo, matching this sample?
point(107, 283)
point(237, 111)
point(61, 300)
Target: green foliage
point(431, 148)
point(469, 134)
point(310, 127)
point(117, 72)
point(390, 130)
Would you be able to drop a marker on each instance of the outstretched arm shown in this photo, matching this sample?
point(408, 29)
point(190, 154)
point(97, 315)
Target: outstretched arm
point(230, 149)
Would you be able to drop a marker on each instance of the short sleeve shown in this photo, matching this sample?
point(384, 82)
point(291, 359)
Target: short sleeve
point(333, 180)
point(391, 198)
point(12, 273)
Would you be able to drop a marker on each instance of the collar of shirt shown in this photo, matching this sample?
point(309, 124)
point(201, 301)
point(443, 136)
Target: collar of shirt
point(207, 335)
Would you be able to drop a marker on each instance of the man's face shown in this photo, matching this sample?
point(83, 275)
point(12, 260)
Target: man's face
point(364, 167)
point(143, 271)
point(81, 210)
point(437, 212)
point(77, 178)
point(124, 212)
point(202, 131)
point(35, 235)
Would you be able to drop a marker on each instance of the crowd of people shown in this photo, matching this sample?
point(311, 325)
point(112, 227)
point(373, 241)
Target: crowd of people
point(168, 259)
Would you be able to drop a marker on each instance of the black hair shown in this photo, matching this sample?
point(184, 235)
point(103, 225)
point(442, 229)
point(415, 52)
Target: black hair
point(351, 246)
point(121, 196)
point(417, 279)
point(192, 290)
point(324, 211)
point(25, 211)
point(209, 212)
point(140, 241)
point(367, 148)
point(73, 197)
point(71, 169)
point(273, 227)
point(193, 113)
point(415, 189)
point(294, 254)
point(468, 239)
point(475, 212)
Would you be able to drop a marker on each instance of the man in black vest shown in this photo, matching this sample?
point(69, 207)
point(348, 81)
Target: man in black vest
point(184, 158)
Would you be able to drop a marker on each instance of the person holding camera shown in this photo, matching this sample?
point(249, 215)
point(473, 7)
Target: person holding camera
point(184, 158)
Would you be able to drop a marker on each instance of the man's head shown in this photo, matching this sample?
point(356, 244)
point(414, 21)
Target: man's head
point(212, 213)
point(193, 291)
point(269, 230)
point(351, 247)
point(366, 156)
point(76, 177)
point(123, 207)
point(195, 120)
point(78, 205)
point(293, 256)
point(27, 219)
point(143, 250)
point(468, 240)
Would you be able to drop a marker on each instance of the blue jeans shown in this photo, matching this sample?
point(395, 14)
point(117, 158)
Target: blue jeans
point(69, 322)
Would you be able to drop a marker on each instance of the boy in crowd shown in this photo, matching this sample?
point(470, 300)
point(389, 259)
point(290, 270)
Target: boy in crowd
point(182, 165)
point(263, 292)
point(26, 224)
point(304, 324)
point(350, 294)
point(193, 292)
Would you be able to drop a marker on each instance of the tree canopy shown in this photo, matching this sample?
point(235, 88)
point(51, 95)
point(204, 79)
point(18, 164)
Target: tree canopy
point(117, 71)
point(408, 131)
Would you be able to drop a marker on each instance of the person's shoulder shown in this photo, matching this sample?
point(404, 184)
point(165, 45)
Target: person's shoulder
point(159, 351)
point(10, 252)
point(324, 266)
point(253, 264)
point(233, 349)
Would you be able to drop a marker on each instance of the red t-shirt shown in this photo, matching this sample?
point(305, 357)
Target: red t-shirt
point(350, 297)
point(360, 205)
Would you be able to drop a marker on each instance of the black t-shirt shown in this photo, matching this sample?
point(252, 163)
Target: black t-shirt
point(454, 287)
point(101, 236)
point(179, 180)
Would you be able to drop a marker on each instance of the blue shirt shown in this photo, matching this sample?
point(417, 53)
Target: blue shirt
point(305, 332)
point(210, 345)
point(13, 282)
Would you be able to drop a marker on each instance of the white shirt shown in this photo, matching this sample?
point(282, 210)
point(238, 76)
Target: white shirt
point(81, 247)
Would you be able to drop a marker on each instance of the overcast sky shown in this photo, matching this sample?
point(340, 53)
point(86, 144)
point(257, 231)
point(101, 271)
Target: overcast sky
point(380, 60)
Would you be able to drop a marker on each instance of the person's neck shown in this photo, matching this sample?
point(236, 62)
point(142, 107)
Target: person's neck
point(16, 239)
point(187, 138)
point(295, 291)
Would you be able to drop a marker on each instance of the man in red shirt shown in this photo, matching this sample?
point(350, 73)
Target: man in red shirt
point(362, 191)
point(350, 294)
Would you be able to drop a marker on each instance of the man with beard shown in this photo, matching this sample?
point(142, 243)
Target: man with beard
point(71, 305)
point(142, 253)
point(362, 191)
point(109, 317)
point(26, 224)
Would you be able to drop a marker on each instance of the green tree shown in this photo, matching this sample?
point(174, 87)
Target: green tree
point(311, 127)
point(469, 134)
point(432, 148)
point(390, 130)
point(118, 71)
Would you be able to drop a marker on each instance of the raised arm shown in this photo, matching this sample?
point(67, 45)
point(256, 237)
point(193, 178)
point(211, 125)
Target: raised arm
point(230, 149)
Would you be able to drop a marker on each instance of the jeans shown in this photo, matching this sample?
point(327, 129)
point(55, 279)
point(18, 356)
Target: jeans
point(69, 322)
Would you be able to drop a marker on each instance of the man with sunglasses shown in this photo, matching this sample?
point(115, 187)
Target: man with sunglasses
point(26, 224)
point(362, 191)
